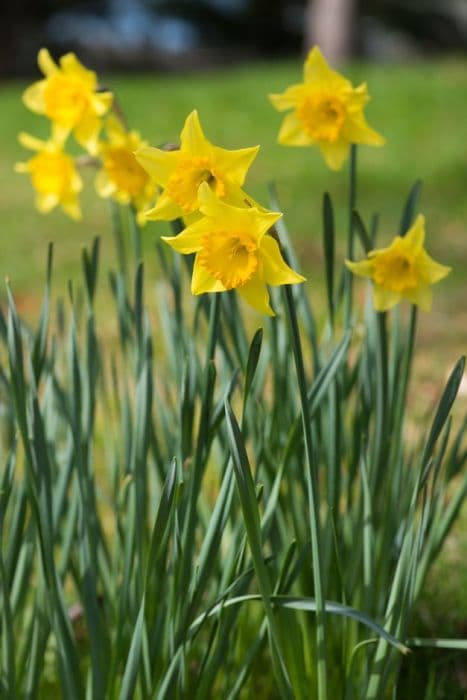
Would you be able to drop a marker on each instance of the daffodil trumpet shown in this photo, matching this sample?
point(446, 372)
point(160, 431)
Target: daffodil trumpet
point(233, 250)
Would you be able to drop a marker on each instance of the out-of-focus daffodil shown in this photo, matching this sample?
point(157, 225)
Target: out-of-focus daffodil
point(181, 172)
point(403, 270)
point(234, 251)
point(327, 112)
point(121, 177)
point(68, 96)
point(53, 176)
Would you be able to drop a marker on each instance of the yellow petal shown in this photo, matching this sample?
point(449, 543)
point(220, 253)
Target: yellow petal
point(231, 218)
point(421, 296)
point(335, 153)
point(192, 138)
point(190, 240)
point(46, 63)
point(234, 164)
point(30, 142)
point(287, 99)
point(415, 236)
point(202, 281)
point(21, 167)
point(165, 210)
point(71, 66)
point(104, 187)
point(365, 268)
point(319, 74)
point(275, 269)
point(46, 202)
point(356, 130)
point(60, 133)
point(384, 299)
point(158, 164)
point(256, 295)
point(102, 102)
point(71, 206)
point(87, 131)
point(292, 132)
point(430, 270)
point(33, 97)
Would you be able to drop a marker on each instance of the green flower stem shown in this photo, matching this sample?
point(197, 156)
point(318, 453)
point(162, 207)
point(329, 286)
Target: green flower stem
point(381, 388)
point(400, 394)
point(313, 496)
point(348, 277)
point(197, 466)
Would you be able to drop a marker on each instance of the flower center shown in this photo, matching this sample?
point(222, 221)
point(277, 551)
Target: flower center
point(51, 173)
point(395, 271)
point(124, 170)
point(230, 257)
point(66, 99)
point(322, 115)
point(184, 182)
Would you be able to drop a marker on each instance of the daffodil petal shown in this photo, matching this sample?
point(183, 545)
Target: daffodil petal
point(235, 163)
point(165, 210)
point(318, 73)
point(87, 131)
point(256, 294)
point(275, 269)
point(430, 270)
point(384, 299)
point(30, 142)
point(46, 63)
point(33, 97)
point(190, 240)
point(364, 268)
point(335, 153)
point(356, 130)
point(192, 138)
point(202, 282)
point(46, 202)
point(292, 132)
point(158, 164)
point(415, 236)
point(104, 186)
point(72, 66)
point(421, 296)
point(287, 99)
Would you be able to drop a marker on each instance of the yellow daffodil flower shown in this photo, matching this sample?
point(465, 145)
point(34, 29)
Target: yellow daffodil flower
point(327, 112)
point(68, 97)
point(404, 270)
point(121, 177)
point(181, 172)
point(53, 176)
point(234, 251)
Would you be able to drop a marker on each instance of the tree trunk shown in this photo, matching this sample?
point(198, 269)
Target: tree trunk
point(329, 25)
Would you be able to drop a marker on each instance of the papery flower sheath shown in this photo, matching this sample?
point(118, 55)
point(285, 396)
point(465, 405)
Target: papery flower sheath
point(53, 175)
point(327, 112)
point(69, 97)
point(234, 251)
point(403, 270)
point(181, 172)
point(121, 177)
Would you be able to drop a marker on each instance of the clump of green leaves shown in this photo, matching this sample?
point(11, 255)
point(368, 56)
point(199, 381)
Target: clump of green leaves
point(178, 515)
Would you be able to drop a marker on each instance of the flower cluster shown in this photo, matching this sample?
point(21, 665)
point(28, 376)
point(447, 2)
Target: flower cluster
point(225, 228)
point(69, 96)
point(202, 184)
